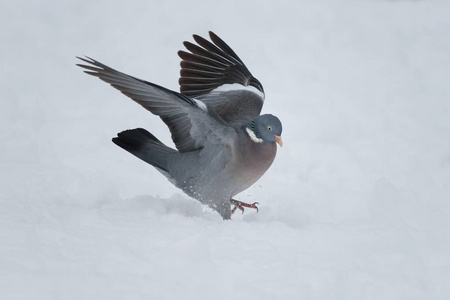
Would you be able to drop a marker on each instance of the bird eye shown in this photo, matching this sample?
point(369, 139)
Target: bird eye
point(269, 128)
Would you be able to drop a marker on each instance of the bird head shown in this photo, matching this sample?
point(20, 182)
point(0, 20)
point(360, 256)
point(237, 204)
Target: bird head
point(265, 128)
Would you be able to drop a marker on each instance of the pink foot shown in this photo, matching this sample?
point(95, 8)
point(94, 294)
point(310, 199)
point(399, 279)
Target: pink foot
point(241, 205)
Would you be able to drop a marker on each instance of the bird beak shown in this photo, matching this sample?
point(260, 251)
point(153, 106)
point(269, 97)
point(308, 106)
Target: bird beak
point(279, 140)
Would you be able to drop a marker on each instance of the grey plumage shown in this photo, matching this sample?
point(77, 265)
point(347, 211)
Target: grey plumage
point(223, 145)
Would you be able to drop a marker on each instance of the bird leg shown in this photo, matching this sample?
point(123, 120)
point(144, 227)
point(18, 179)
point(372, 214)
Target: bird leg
point(238, 204)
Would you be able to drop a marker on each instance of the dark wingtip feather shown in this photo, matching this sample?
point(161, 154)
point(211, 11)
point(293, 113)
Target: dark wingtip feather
point(212, 34)
point(214, 61)
point(88, 60)
point(92, 73)
point(88, 67)
point(180, 53)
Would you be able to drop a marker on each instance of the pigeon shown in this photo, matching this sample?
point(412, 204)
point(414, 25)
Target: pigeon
point(223, 144)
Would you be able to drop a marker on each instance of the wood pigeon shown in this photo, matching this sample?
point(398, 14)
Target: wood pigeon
point(223, 143)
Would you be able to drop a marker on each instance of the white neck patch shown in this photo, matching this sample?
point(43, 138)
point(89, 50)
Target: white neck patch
point(252, 136)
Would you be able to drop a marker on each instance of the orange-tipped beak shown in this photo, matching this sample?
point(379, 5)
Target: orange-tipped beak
point(279, 140)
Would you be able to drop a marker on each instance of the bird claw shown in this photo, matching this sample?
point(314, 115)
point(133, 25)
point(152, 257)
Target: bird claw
point(241, 205)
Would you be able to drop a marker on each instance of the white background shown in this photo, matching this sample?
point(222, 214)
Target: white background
point(355, 206)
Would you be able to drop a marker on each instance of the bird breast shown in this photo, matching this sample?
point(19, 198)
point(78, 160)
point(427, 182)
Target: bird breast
point(255, 159)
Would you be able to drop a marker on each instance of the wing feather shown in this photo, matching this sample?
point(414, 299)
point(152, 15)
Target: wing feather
point(218, 58)
point(213, 73)
point(190, 125)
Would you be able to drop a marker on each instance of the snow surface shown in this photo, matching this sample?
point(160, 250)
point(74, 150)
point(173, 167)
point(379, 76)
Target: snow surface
point(356, 205)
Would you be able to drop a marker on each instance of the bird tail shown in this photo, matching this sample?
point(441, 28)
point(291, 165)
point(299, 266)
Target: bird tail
point(147, 147)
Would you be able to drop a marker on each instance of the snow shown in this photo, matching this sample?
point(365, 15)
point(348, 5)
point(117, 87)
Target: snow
point(356, 205)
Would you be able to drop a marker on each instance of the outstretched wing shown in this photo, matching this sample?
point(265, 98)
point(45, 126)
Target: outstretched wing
point(214, 74)
point(188, 120)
